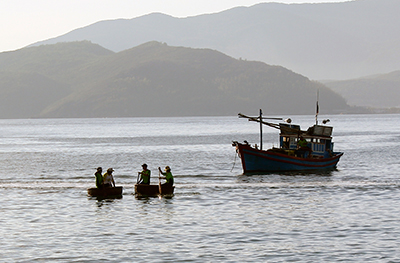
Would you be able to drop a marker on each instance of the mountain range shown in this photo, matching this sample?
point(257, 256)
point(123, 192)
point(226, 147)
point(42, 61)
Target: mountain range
point(82, 79)
point(213, 64)
point(334, 41)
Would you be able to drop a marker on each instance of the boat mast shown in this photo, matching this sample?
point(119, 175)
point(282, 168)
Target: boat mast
point(261, 133)
point(317, 109)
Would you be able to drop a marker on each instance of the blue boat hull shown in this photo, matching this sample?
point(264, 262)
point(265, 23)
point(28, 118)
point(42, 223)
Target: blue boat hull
point(256, 161)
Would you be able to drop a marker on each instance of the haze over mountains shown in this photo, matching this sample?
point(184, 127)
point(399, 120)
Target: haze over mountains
point(116, 69)
point(379, 91)
point(321, 41)
point(81, 79)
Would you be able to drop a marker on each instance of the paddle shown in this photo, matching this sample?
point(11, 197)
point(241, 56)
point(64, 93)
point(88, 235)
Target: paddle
point(138, 177)
point(159, 183)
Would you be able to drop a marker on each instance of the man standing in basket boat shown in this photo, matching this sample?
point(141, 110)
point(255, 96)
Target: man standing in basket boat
point(99, 177)
point(108, 179)
point(144, 175)
point(168, 176)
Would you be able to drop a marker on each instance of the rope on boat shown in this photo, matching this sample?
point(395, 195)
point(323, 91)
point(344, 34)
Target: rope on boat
point(234, 162)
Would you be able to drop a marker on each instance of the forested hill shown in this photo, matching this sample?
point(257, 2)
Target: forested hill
point(81, 79)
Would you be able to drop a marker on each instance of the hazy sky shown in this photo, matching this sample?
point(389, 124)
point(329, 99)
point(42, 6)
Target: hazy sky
point(23, 22)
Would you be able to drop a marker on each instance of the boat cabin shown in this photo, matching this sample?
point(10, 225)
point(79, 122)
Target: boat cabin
point(318, 137)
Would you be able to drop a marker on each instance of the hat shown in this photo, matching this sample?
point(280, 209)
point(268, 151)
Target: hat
point(110, 170)
point(99, 168)
point(144, 165)
point(167, 168)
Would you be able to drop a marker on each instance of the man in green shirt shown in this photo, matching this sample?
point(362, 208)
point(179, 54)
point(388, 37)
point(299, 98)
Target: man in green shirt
point(302, 143)
point(99, 177)
point(303, 148)
point(144, 175)
point(168, 176)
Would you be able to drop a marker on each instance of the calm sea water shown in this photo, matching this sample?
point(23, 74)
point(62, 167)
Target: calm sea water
point(216, 215)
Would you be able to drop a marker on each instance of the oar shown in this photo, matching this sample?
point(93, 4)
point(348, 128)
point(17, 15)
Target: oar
point(159, 183)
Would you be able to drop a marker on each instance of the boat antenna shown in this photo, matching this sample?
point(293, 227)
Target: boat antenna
point(317, 109)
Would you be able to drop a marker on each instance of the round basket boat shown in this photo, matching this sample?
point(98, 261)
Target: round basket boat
point(105, 192)
point(153, 190)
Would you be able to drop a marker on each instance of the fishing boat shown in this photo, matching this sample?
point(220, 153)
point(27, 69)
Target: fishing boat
point(316, 153)
point(153, 190)
point(109, 192)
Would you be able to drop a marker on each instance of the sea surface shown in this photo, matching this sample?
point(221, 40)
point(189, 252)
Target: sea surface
point(351, 214)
